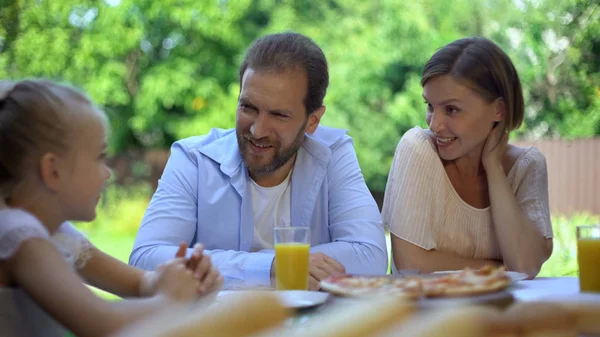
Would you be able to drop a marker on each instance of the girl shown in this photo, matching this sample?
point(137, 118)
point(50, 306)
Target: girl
point(458, 195)
point(52, 170)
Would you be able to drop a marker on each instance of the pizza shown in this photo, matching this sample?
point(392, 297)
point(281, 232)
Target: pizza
point(467, 282)
point(349, 285)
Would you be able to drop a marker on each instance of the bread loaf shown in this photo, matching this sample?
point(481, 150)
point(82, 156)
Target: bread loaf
point(355, 318)
point(586, 309)
point(237, 316)
point(462, 321)
point(542, 319)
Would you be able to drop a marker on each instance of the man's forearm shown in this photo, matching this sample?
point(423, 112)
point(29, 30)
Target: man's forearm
point(357, 258)
point(238, 268)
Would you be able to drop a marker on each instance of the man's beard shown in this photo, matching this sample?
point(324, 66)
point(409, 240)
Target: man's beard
point(282, 155)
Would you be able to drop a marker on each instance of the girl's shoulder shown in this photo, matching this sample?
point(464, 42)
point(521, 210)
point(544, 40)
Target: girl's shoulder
point(16, 227)
point(73, 245)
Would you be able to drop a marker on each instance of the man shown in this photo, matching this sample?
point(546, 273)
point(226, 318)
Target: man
point(229, 188)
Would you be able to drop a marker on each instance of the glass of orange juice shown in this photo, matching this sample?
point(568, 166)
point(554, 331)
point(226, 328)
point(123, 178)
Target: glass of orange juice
point(588, 258)
point(292, 254)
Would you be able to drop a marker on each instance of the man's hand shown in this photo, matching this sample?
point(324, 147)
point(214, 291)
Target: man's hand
point(321, 267)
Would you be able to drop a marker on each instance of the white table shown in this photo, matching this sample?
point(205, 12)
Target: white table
point(551, 288)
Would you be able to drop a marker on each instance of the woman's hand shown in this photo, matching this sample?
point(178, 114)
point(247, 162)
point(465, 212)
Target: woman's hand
point(495, 146)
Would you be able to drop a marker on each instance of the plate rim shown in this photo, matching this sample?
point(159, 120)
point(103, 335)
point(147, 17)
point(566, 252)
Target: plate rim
point(515, 276)
point(323, 296)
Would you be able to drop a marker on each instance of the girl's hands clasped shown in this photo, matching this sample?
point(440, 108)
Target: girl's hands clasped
point(203, 270)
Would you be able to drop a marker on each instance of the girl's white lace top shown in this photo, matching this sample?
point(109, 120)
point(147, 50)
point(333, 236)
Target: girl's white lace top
point(19, 314)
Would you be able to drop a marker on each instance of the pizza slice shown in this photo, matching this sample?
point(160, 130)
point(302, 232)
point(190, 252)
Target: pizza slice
point(349, 285)
point(467, 282)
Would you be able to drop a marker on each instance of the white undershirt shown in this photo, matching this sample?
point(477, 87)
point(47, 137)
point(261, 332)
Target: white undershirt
point(271, 207)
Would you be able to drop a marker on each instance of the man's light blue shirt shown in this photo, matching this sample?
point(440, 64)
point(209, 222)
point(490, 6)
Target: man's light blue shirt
point(203, 196)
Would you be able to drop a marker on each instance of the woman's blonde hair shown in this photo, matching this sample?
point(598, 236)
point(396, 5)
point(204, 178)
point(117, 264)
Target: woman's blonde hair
point(35, 118)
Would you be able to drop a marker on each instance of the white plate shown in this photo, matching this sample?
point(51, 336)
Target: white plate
point(295, 299)
point(302, 298)
point(514, 276)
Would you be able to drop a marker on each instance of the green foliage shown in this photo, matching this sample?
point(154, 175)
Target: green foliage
point(563, 261)
point(164, 70)
point(120, 212)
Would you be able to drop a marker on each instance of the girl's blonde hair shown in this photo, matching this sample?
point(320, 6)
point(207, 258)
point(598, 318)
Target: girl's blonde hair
point(35, 118)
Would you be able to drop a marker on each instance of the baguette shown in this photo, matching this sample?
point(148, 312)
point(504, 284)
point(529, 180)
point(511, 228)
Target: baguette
point(535, 319)
point(237, 316)
point(496, 324)
point(461, 321)
point(586, 311)
point(356, 318)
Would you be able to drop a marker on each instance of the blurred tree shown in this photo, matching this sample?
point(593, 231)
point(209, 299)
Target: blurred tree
point(557, 51)
point(160, 69)
point(164, 70)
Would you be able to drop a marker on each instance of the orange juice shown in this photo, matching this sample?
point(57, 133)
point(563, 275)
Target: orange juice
point(588, 258)
point(291, 266)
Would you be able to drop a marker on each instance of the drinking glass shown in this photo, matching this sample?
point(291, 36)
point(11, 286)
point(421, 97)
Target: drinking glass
point(292, 254)
point(588, 258)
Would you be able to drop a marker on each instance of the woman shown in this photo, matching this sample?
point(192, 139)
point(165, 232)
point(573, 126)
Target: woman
point(458, 195)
